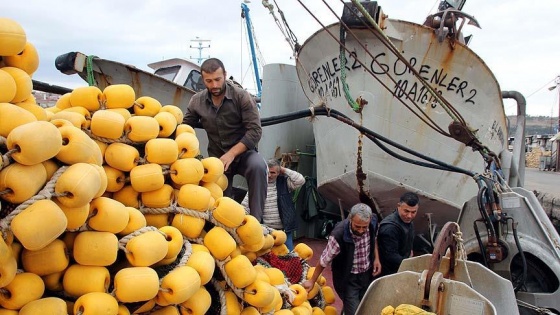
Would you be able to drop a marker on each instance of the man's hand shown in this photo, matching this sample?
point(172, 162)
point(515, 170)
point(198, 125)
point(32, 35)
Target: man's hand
point(376, 267)
point(308, 285)
point(227, 159)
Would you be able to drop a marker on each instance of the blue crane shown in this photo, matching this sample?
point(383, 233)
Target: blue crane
point(245, 14)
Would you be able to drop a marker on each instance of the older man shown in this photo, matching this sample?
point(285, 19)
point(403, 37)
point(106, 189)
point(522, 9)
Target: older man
point(351, 248)
point(279, 210)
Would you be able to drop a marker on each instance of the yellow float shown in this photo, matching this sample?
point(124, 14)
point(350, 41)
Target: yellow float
point(118, 96)
point(194, 197)
point(24, 85)
point(88, 97)
point(77, 185)
point(146, 249)
point(159, 198)
point(161, 151)
point(146, 106)
point(79, 280)
point(228, 212)
point(12, 116)
point(95, 303)
point(107, 124)
point(219, 243)
point(39, 224)
point(136, 284)
point(47, 260)
point(93, 248)
point(122, 156)
point(198, 304)
point(178, 285)
point(241, 271)
point(21, 182)
point(48, 305)
point(107, 215)
point(188, 144)
point(141, 128)
point(25, 287)
point(26, 60)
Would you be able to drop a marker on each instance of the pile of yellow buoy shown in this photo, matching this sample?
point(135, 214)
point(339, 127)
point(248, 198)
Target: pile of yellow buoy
point(107, 207)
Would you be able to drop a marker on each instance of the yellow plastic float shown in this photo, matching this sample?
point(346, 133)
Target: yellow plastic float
point(88, 97)
point(198, 304)
point(188, 144)
point(26, 60)
point(178, 285)
point(39, 224)
point(79, 280)
point(77, 185)
point(21, 182)
point(146, 106)
point(95, 303)
point(141, 128)
point(24, 288)
point(146, 249)
point(24, 85)
point(136, 284)
point(47, 260)
point(93, 248)
point(48, 305)
point(107, 215)
point(161, 151)
point(119, 96)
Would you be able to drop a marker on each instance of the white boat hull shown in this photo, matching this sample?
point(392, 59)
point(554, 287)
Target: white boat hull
point(343, 154)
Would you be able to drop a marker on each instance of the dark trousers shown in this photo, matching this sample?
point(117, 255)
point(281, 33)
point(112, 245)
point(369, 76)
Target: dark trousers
point(253, 167)
point(355, 291)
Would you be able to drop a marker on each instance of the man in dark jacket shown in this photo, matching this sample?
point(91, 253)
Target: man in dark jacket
point(354, 256)
point(230, 117)
point(396, 234)
point(279, 210)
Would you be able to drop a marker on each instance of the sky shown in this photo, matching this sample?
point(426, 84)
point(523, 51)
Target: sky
point(519, 42)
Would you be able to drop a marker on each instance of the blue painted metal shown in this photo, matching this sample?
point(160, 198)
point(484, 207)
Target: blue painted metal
point(245, 9)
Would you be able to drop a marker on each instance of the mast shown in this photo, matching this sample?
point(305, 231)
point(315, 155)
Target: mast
point(245, 14)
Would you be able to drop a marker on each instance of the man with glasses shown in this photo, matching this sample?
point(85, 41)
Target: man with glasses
point(396, 234)
point(352, 250)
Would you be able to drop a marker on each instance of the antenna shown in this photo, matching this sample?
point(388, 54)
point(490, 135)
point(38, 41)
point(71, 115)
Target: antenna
point(200, 47)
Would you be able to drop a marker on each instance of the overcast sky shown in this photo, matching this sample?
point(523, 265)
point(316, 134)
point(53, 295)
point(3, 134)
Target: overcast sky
point(519, 39)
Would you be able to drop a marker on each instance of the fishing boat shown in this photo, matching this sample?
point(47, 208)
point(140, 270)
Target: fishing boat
point(434, 113)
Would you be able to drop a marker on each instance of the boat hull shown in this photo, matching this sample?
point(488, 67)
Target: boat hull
point(350, 167)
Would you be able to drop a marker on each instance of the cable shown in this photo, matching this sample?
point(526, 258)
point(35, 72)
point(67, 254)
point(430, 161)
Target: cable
point(321, 111)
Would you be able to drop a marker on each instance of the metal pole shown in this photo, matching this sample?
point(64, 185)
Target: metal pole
point(245, 9)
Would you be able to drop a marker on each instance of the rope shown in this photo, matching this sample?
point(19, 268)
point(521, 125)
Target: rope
point(89, 70)
point(188, 252)
point(46, 193)
point(193, 213)
point(221, 293)
point(539, 310)
point(123, 139)
point(221, 264)
point(231, 231)
point(6, 158)
point(123, 241)
point(462, 253)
